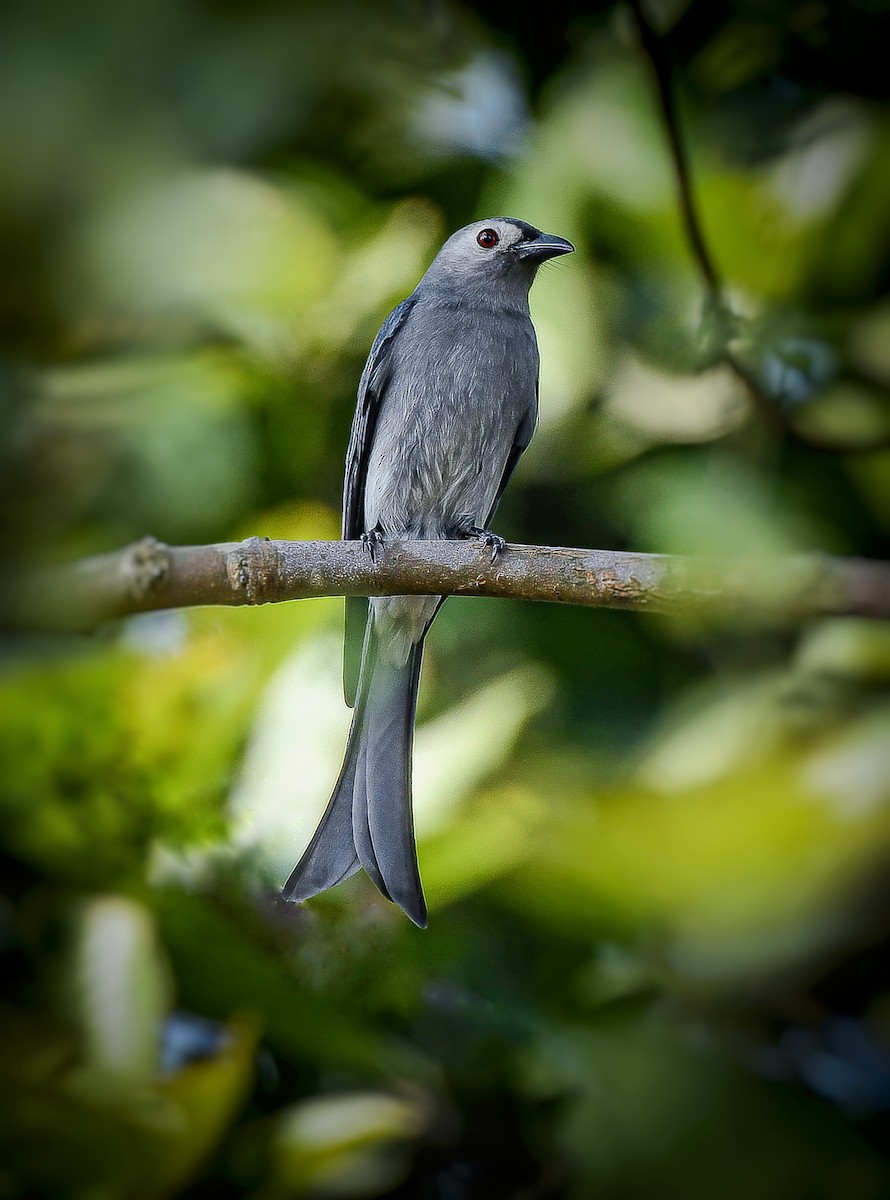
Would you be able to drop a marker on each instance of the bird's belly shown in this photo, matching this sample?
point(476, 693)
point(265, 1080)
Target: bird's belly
point(434, 469)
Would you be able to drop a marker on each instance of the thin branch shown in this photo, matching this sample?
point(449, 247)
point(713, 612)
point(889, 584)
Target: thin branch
point(766, 405)
point(149, 576)
point(664, 79)
point(662, 69)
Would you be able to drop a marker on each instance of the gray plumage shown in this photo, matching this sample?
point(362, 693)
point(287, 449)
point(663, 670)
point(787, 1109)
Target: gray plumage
point(447, 403)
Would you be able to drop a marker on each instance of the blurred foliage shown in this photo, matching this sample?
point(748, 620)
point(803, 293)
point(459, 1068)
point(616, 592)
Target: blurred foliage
point(655, 851)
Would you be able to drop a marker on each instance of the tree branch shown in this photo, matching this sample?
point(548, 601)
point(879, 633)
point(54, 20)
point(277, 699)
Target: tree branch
point(662, 70)
point(767, 406)
point(150, 575)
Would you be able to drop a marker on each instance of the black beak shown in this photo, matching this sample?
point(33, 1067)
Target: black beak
point(544, 246)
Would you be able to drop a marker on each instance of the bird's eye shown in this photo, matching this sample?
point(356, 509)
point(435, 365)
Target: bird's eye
point(487, 239)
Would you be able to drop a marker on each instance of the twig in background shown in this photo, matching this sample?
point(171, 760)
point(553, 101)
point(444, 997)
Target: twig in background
point(767, 406)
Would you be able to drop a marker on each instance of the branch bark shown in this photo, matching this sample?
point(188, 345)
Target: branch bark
point(149, 575)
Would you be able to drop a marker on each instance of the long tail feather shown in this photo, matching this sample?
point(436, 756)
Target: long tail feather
point(387, 764)
point(361, 831)
point(369, 820)
point(330, 857)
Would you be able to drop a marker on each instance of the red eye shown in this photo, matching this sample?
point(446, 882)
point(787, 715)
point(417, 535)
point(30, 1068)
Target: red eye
point(487, 239)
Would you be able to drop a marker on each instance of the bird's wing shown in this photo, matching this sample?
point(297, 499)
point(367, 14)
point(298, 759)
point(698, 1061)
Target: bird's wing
point(521, 440)
point(370, 391)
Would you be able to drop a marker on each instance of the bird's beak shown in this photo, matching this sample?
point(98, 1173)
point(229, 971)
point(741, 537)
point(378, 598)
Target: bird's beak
point(544, 246)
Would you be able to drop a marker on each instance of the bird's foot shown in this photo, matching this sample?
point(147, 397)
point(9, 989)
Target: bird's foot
point(487, 537)
point(371, 542)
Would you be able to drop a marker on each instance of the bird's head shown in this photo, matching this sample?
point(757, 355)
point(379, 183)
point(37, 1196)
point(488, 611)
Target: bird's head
point(501, 251)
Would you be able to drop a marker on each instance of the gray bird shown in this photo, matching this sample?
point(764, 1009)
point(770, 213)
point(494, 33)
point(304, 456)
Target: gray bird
point(447, 403)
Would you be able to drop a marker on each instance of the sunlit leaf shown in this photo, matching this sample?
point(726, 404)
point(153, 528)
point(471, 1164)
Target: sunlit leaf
point(206, 1096)
point(120, 981)
point(343, 1145)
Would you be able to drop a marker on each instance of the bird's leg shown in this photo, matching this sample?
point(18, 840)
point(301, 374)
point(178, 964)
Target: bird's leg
point(372, 540)
point(489, 538)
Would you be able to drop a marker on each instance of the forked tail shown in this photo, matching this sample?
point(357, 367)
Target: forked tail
point(369, 821)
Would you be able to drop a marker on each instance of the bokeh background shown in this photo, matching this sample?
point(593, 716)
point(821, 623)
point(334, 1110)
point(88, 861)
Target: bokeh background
point(655, 850)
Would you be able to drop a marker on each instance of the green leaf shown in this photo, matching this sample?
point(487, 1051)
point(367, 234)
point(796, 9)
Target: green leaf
point(121, 987)
point(335, 1145)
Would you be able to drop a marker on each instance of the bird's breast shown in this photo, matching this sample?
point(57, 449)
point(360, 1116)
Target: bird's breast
point(457, 391)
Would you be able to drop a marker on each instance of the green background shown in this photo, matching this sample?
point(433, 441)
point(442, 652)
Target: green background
point(654, 849)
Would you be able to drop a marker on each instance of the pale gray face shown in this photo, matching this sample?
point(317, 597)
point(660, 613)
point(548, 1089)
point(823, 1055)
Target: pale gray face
point(500, 249)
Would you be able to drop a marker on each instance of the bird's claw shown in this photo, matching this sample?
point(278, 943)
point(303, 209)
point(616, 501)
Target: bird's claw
point(494, 541)
point(371, 541)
